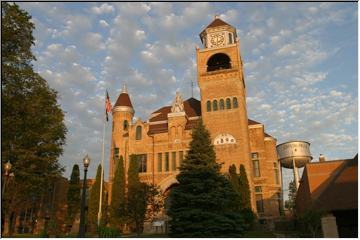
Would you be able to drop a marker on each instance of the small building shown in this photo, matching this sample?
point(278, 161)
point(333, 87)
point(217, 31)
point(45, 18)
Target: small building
point(331, 187)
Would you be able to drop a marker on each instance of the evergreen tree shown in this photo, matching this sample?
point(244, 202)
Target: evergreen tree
point(73, 195)
point(117, 206)
point(93, 205)
point(245, 198)
point(202, 203)
point(244, 189)
point(33, 129)
point(137, 191)
point(290, 203)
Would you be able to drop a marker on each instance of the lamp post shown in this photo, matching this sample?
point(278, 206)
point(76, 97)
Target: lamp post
point(7, 168)
point(86, 161)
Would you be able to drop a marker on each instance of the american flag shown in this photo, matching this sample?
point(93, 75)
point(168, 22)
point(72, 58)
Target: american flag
point(107, 106)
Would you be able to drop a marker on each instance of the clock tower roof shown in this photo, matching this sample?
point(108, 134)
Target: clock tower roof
point(217, 22)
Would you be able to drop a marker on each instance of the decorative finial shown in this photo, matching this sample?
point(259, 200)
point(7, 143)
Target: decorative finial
point(217, 16)
point(124, 89)
point(178, 105)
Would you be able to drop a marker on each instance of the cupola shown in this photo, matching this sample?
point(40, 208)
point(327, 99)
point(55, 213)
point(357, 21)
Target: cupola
point(218, 33)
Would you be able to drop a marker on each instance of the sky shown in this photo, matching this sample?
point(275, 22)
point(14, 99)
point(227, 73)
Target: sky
point(300, 64)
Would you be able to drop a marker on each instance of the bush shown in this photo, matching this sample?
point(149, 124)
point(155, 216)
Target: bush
point(108, 232)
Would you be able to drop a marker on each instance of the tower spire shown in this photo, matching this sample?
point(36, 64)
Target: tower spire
point(124, 89)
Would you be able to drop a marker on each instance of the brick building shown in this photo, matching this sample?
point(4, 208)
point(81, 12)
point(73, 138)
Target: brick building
point(162, 141)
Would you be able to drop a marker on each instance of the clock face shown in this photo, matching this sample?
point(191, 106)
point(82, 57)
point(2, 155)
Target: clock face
point(217, 39)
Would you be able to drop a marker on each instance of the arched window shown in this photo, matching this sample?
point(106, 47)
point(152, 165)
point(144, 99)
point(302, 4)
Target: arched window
point(125, 125)
point(218, 61)
point(208, 106)
point(235, 102)
point(230, 38)
point(215, 105)
point(138, 133)
point(222, 105)
point(228, 103)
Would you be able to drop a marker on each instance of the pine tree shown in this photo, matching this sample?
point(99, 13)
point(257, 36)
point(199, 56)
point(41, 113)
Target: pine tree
point(245, 198)
point(202, 204)
point(117, 206)
point(290, 203)
point(73, 195)
point(93, 205)
point(244, 189)
point(137, 196)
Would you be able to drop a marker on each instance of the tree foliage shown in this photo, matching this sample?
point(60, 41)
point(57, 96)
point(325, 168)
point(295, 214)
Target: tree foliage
point(118, 202)
point(240, 184)
point(143, 199)
point(311, 220)
point(93, 205)
point(33, 129)
point(73, 195)
point(203, 203)
point(290, 203)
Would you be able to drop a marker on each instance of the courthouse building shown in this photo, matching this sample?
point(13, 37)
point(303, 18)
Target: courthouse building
point(163, 140)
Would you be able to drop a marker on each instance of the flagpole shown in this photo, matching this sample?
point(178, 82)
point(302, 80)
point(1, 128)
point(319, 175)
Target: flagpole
point(102, 169)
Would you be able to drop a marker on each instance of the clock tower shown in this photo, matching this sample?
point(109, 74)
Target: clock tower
point(223, 95)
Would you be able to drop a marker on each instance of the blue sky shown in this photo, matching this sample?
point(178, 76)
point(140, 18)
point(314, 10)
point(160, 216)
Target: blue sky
point(300, 63)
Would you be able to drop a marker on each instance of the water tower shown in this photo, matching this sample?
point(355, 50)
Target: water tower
point(294, 154)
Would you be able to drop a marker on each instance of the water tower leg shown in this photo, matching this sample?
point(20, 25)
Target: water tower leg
point(296, 175)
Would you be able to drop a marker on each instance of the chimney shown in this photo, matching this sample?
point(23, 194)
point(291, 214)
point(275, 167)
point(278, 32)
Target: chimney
point(322, 158)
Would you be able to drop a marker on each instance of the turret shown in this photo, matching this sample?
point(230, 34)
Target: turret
point(123, 113)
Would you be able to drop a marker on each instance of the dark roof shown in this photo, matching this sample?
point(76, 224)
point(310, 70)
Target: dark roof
point(252, 122)
point(217, 22)
point(123, 100)
point(192, 108)
point(268, 135)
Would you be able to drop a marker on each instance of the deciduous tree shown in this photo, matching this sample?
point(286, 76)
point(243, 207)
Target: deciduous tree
point(33, 129)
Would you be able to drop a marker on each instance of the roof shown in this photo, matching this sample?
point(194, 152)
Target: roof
point(123, 100)
point(330, 180)
point(217, 22)
point(192, 108)
point(252, 122)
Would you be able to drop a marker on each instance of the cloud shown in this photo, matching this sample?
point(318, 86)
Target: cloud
point(104, 8)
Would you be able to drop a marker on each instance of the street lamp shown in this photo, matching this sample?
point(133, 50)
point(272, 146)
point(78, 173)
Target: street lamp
point(86, 161)
point(7, 168)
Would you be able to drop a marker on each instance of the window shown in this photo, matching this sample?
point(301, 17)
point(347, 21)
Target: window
point(222, 105)
point(276, 172)
point(181, 157)
point(218, 61)
point(166, 162)
point(259, 199)
point(235, 102)
point(228, 103)
point(230, 38)
point(215, 105)
point(256, 164)
point(125, 125)
point(116, 152)
point(159, 162)
point(138, 133)
point(173, 161)
point(208, 106)
point(142, 162)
